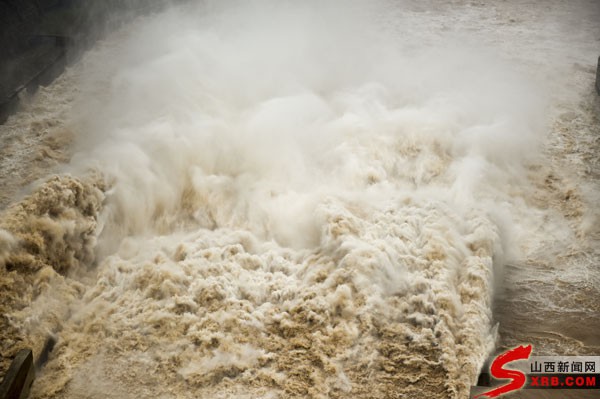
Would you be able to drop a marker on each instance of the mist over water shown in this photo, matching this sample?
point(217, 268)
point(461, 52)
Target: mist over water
point(263, 110)
point(279, 200)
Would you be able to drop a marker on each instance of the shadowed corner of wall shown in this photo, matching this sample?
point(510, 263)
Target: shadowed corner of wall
point(40, 37)
point(33, 46)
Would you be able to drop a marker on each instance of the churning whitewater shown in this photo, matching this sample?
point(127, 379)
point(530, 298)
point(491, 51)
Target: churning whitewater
point(272, 200)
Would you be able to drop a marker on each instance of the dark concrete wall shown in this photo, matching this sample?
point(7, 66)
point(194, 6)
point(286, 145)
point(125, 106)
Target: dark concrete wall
point(19, 20)
point(39, 37)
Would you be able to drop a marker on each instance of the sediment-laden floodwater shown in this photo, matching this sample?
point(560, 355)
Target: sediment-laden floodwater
point(296, 199)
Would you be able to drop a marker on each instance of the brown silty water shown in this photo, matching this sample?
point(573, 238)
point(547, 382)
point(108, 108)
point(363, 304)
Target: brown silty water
point(233, 200)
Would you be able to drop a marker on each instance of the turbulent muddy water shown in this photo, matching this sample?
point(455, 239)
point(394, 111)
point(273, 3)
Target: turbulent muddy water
point(272, 200)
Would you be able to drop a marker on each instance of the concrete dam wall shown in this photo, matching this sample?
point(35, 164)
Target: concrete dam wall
point(39, 37)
